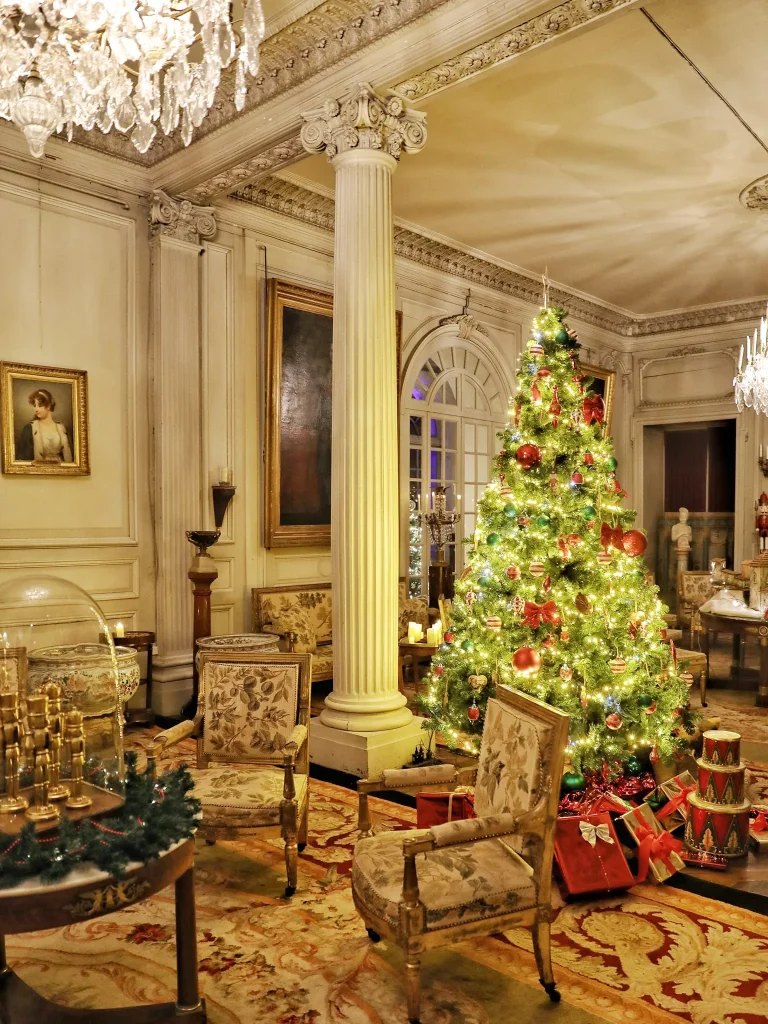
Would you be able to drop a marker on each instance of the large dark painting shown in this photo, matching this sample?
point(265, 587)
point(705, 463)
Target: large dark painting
point(298, 408)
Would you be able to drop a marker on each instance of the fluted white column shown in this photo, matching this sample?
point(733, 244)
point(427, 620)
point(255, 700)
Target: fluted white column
point(178, 229)
point(364, 135)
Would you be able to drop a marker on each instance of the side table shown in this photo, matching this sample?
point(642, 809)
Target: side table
point(739, 628)
point(142, 640)
point(87, 893)
point(416, 652)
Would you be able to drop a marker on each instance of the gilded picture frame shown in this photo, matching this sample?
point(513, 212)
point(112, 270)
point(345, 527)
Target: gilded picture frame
point(13, 670)
point(604, 384)
point(297, 495)
point(44, 413)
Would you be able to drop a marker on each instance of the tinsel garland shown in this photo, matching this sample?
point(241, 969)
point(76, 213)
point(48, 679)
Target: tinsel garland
point(157, 813)
point(629, 787)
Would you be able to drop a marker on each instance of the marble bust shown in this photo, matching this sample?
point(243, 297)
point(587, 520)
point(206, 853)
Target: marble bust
point(681, 532)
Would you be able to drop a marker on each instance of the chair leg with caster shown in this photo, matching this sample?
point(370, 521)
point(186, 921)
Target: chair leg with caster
point(413, 987)
point(542, 949)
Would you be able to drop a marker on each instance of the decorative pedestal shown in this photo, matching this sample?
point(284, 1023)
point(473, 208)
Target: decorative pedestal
point(718, 814)
point(142, 641)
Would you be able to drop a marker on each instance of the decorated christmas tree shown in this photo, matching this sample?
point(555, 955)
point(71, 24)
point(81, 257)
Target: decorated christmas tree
point(556, 599)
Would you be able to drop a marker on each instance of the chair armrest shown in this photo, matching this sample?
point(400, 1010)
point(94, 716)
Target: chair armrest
point(444, 776)
point(288, 635)
point(470, 830)
point(296, 741)
point(170, 737)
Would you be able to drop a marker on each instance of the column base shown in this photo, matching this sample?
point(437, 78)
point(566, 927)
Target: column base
point(365, 754)
point(171, 685)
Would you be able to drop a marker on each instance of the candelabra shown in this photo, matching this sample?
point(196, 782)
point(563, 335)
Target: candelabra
point(441, 525)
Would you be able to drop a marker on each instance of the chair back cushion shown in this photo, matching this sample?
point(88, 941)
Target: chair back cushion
point(515, 760)
point(304, 610)
point(694, 588)
point(250, 708)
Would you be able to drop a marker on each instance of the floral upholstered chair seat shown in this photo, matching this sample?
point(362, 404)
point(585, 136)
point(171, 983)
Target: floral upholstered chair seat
point(475, 877)
point(252, 730)
point(236, 797)
point(457, 884)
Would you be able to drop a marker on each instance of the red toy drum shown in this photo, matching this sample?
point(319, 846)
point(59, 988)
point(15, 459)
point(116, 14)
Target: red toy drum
point(716, 830)
point(722, 748)
point(720, 785)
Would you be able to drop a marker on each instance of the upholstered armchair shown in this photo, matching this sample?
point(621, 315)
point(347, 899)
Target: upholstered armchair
point(252, 730)
point(693, 590)
point(423, 889)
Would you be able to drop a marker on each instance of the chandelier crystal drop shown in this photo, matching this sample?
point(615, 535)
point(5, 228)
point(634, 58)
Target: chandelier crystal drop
point(129, 64)
point(751, 382)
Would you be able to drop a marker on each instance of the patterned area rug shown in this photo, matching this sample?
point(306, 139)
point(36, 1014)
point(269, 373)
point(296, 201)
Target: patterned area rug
point(654, 955)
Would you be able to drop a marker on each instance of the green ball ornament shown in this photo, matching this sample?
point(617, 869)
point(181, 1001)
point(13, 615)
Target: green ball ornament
point(588, 512)
point(467, 645)
point(510, 511)
point(493, 539)
point(634, 765)
point(562, 336)
point(645, 700)
point(572, 782)
point(612, 463)
point(542, 521)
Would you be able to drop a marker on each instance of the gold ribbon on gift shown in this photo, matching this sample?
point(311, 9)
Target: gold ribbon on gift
point(459, 791)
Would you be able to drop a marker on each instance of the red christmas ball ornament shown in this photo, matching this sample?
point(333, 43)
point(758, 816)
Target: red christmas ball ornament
point(650, 709)
point(589, 459)
point(577, 479)
point(614, 721)
point(473, 712)
point(617, 665)
point(493, 622)
point(438, 670)
point(528, 455)
point(573, 538)
point(549, 641)
point(635, 543)
point(448, 637)
point(537, 568)
point(526, 661)
point(654, 754)
point(513, 572)
point(544, 372)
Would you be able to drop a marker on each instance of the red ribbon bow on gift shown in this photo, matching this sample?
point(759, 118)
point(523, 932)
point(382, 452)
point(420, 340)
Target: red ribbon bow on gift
point(654, 847)
point(610, 535)
point(594, 410)
point(759, 824)
point(535, 614)
point(675, 802)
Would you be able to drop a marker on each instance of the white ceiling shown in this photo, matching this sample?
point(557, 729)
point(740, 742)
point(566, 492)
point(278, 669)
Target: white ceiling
point(606, 158)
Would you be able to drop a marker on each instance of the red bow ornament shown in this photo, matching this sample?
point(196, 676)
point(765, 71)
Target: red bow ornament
point(594, 410)
point(535, 614)
point(759, 824)
point(564, 549)
point(678, 802)
point(655, 848)
point(610, 535)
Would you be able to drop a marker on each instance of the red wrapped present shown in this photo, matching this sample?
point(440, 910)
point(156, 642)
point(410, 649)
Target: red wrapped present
point(657, 848)
point(589, 856)
point(440, 808)
point(670, 800)
point(758, 832)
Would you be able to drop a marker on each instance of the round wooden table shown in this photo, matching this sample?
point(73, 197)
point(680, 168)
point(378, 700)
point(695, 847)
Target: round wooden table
point(87, 893)
point(739, 628)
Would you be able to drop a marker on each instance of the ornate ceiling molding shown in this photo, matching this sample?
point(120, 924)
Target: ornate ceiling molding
point(532, 33)
point(755, 195)
point(293, 200)
point(180, 219)
point(271, 160)
point(331, 32)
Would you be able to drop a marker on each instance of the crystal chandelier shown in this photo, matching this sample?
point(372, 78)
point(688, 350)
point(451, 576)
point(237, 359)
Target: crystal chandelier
point(751, 382)
point(121, 63)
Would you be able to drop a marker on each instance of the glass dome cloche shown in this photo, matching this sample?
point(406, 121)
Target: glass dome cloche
point(62, 687)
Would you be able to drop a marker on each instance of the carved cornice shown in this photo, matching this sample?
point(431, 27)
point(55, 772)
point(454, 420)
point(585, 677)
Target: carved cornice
point(364, 119)
point(271, 160)
point(755, 195)
point(180, 219)
point(508, 45)
point(311, 45)
point(466, 324)
point(293, 200)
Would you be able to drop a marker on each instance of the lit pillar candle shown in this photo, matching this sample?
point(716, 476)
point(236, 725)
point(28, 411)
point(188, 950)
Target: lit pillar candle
point(119, 630)
point(225, 477)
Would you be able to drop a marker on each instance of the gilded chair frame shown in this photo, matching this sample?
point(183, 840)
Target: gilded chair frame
point(686, 612)
point(537, 826)
point(293, 758)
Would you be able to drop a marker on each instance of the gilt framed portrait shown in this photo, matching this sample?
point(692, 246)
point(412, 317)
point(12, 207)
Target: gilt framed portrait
point(603, 384)
point(297, 510)
point(13, 669)
point(44, 420)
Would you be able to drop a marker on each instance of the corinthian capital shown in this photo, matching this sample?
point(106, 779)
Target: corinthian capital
point(178, 218)
point(364, 119)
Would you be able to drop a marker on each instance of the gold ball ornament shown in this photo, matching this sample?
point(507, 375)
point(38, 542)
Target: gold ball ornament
point(604, 557)
point(687, 678)
point(478, 683)
point(617, 665)
point(537, 568)
point(493, 622)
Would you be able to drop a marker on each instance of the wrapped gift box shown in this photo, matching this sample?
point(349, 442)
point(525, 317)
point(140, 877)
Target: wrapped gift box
point(657, 849)
point(439, 808)
point(758, 832)
point(669, 801)
point(589, 855)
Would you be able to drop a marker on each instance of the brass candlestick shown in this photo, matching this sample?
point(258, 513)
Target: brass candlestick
point(42, 809)
point(75, 734)
point(56, 789)
point(9, 713)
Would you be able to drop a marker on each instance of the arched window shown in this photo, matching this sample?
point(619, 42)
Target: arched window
point(454, 402)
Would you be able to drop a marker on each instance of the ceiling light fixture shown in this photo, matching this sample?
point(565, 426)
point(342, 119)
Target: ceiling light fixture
point(120, 63)
point(751, 382)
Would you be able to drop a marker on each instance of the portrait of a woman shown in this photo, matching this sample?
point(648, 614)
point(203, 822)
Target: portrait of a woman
point(43, 439)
